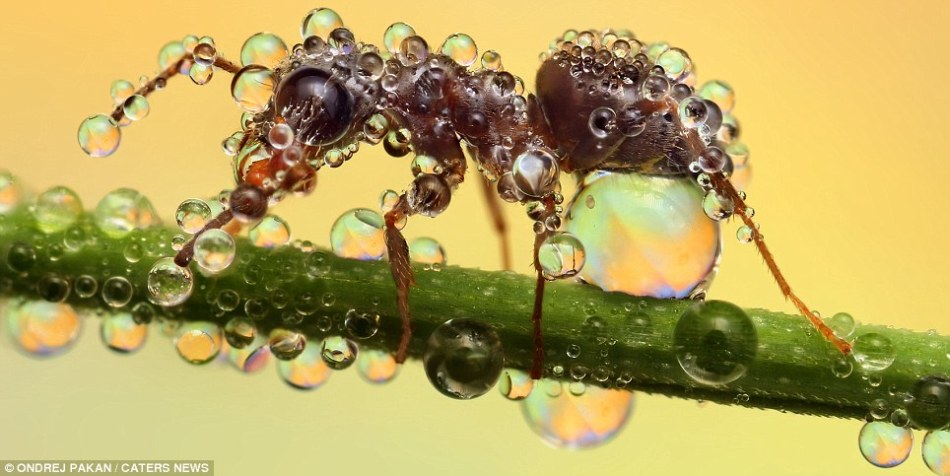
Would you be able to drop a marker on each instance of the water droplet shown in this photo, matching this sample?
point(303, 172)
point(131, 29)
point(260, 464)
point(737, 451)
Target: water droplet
point(171, 53)
point(120, 90)
point(929, 405)
point(136, 107)
point(885, 445)
point(535, 172)
point(463, 358)
point(286, 344)
point(361, 325)
point(573, 351)
point(85, 286)
point(56, 209)
point(10, 192)
point(693, 114)
point(358, 234)
point(718, 207)
point(414, 50)
point(491, 60)
point(715, 342)
point(377, 366)
point(842, 323)
point(42, 328)
point(169, 284)
point(116, 291)
point(675, 62)
point(52, 288)
point(271, 232)
point(561, 256)
point(842, 367)
point(240, 332)
point(264, 49)
point(122, 333)
point(251, 358)
point(936, 452)
point(306, 372)
point(515, 384)
point(192, 215)
point(339, 352)
point(720, 93)
point(99, 135)
point(124, 210)
point(198, 342)
point(879, 409)
point(573, 421)
point(214, 250)
point(655, 87)
point(394, 36)
point(320, 22)
point(873, 352)
point(252, 88)
point(426, 250)
point(461, 48)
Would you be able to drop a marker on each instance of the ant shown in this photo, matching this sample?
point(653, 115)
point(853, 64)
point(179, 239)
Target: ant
point(608, 109)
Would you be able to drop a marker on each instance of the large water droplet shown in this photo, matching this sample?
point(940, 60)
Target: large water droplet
point(214, 250)
point(936, 452)
point(320, 22)
point(271, 232)
point(252, 88)
point(339, 352)
point(42, 328)
point(168, 283)
point(99, 135)
point(463, 358)
point(515, 384)
point(358, 234)
point(720, 93)
point(426, 250)
point(286, 344)
point(240, 332)
point(124, 210)
point(873, 352)
point(306, 372)
point(198, 342)
point(561, 256)
point(394, 36)
point(117, 291)
point(461, 48)
point(929, 405)
point(135, 107)
point(192, 215)
point(715, 342)
point(122, 333)
point(265, 49)
point(570, 421)
point(885, 445)
point(377, 366)
point(56, 209)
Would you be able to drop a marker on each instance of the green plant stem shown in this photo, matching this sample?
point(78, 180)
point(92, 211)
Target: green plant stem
point(624, 341)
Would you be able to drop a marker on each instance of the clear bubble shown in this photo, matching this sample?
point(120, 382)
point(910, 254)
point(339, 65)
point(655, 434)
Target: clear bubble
point(124, 210)
point(169, 284)
point(842, 323)
point(122, 333)
point(240, 332)
point(745, 234)
point(720, 93)
point(286, 344)
point(192, 215)
point(561, 256)
point(56, 209)
point(394, 36)
point(358, 234)
point(361, 325)
point(306, 372)
point(461, 48)
point(426, 250)
point(414, 50)
point(645, 223)
point(885, 445)
point(515, 384)
point(21, 257)
point(170, 54)
point(716, 206)
point(873, 352)
point(463, 358)
point(99, 135)
point(929, 403)
point(842, 367)
point(198, 342)
point(120, 90)
point(271, 232)
point(570, 421)
point(10, 192)
point(264, 49)
point(339, 352)
point(250, 358)
point(377, 366)
point(214, 250)
point(655, 87)
point(42, 328)
point(535, 172)
point(936, 452)
point(491, 60)
point(693, 112)
point(136, 107)
point(85, 286)
point(320, 22)
point(715, 342)
point(675, 63)
point(117, 291)
point(252, 88)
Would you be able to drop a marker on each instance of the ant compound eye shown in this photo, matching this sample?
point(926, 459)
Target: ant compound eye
point(315, 105)
point(248, 203)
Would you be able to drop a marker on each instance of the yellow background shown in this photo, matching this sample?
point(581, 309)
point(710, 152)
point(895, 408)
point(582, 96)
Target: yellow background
point(844, 106)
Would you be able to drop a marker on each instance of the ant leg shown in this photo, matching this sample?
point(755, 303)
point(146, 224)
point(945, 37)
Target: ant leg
point(498, 220)
point(401, 270)
point(247, 203)
point(538, 363)
point(724, 187)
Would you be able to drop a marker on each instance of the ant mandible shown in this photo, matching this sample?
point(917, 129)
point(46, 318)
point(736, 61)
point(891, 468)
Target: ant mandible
point(619, 115)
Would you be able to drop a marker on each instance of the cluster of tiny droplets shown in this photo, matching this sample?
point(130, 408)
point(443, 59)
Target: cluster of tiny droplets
point(663, 72)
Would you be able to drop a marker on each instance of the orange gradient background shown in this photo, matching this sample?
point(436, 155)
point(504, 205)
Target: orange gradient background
point(844, 106)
